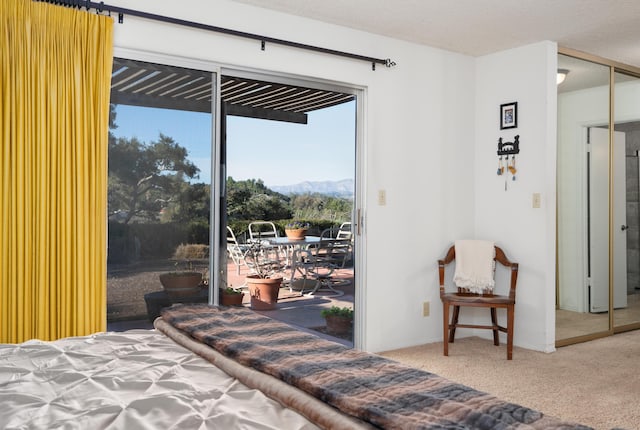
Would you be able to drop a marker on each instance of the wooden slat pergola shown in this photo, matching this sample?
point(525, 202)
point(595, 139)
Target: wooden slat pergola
point(140, 83)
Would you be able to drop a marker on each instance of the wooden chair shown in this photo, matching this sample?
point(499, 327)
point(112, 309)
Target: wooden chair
point(465, 298)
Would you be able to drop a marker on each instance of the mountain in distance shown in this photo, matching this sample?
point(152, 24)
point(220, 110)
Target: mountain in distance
point(342, 188)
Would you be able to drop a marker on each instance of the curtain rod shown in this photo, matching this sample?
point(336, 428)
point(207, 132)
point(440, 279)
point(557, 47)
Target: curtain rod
point(100, 7)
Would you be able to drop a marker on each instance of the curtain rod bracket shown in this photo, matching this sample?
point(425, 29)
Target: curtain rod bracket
point(120, 18)
point(263, 45)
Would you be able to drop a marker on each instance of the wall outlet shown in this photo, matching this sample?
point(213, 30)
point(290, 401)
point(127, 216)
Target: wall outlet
point(382, 197)
point(425, 309)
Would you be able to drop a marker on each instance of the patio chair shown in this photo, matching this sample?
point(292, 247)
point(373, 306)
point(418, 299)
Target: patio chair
point(235, 250)
point(464, 297)
point(344, 243)
point(262, 232)
point(318, 263)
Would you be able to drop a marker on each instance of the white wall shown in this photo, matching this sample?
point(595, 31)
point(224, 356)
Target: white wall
point(430, 134)
point(525, 75)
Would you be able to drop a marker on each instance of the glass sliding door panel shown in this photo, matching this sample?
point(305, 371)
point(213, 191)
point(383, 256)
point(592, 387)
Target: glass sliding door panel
point(583, 199)
point(626, 224)
point(159, 187)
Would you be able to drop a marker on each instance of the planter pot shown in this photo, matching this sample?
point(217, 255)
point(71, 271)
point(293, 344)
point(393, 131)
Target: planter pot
point(227, 299)
point(179, 285)
point(338, 325)
point(263, 292)
point(296, 233)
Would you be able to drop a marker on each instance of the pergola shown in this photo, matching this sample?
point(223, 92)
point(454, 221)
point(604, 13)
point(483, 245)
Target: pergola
point(140, 83)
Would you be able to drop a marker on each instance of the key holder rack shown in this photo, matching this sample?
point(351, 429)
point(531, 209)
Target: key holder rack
point(507, 165)
point(509, 148)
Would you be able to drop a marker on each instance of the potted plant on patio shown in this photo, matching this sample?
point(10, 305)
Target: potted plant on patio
point(296, 230)
point(339, 320)
point(265, 278)
point(230, 296)
point(181, 283)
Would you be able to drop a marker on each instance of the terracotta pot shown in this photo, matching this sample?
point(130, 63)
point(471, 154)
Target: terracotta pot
point(227, 299)
point(264, 292)
point(183, 284)
point(337, 324)
point(296, 233)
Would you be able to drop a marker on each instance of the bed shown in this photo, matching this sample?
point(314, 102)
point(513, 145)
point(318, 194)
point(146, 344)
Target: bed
point(217, 367)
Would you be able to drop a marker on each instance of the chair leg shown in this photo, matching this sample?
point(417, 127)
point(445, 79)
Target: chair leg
point(494, 322)
point(445, 326)
point(510, 318)
point(454, 323)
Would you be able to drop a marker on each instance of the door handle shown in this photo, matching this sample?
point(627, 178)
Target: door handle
point(624, 227)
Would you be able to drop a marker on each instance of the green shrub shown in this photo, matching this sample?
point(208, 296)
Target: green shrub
point(191, 251)
point(337, 311)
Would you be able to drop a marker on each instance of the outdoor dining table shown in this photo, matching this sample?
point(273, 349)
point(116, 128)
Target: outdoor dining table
point(294, 247)
point(290, 245)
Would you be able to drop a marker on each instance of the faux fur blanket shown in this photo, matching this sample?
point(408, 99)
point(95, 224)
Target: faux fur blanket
point(371, 388)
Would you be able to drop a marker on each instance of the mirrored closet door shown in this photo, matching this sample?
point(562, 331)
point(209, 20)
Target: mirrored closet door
point(598, 189)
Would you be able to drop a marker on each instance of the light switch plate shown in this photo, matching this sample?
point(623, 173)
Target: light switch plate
point(382, 197)
point(536, 200)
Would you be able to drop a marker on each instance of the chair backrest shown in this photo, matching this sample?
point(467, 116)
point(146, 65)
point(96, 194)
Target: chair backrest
point(344, 232)
point(499, 258)
point(262, 229)
point(329, 249)
point(234, 250)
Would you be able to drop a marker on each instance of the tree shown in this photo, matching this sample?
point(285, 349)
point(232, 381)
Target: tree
point(144, 178)
point(252, 200)
point(193, 203)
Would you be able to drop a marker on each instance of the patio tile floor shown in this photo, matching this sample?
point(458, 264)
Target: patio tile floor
point(293, 308)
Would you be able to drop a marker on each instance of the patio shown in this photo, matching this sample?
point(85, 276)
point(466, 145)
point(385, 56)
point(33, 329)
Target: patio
point(293, 308)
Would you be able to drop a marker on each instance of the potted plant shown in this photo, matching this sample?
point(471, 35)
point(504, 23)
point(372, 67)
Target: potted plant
point(339, 320)
point(181, 283)
point(264, 279)
point(296, 230)
point(230, 296)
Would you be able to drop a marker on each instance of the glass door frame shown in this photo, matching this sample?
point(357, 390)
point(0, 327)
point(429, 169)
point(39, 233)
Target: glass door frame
point(357, 215)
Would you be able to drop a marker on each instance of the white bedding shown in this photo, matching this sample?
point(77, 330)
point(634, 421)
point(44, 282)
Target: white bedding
point(138, 379)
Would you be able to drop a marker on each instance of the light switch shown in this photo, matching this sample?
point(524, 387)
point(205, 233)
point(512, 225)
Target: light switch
point(382, 197)
point(536, 200)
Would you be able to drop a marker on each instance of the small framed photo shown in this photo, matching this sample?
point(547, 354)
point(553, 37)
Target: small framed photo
point(509, 115)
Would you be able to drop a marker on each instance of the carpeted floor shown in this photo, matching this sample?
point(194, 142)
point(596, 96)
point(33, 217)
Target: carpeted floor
point(595, 383)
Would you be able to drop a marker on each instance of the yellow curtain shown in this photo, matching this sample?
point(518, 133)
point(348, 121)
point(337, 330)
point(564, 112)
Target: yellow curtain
point(55, 74)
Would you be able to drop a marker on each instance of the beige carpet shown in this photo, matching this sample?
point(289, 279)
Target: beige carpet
point(595, 383)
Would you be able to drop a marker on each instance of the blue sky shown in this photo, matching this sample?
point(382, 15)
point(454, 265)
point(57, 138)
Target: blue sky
point(279, 153)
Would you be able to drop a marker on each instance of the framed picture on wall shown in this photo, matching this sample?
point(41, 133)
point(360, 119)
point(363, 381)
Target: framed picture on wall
point(509, 115)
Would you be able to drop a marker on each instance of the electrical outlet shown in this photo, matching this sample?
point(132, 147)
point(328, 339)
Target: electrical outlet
point(425, 309)
point(536, 200)
point(382, 197)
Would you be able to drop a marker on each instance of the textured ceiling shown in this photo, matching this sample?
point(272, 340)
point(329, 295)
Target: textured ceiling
point(607, 28)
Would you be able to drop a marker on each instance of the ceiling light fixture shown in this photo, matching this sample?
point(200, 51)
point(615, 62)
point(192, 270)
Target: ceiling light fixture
point(562, 74)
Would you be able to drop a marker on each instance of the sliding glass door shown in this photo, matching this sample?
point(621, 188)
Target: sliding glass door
point(160, 152)
point(626, 225)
